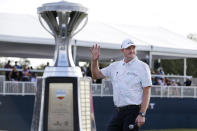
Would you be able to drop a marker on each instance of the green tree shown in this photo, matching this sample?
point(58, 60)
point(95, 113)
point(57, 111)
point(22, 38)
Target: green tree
point(24, 61)
point(2, 66)
point(176, 67)
point(41, 67)
point(173, 66)
point(191, 67)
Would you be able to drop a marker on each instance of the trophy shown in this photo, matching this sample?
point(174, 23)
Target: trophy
point(63, 100)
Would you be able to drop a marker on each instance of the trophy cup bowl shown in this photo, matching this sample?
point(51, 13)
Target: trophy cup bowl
point(63, 18)
point(63, 100)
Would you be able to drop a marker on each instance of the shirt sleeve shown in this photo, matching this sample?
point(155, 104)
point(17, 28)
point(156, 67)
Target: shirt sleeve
point(146, 77)
point(106, 71)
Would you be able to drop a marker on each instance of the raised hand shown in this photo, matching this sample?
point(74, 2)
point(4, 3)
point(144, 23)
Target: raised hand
point(95, 52)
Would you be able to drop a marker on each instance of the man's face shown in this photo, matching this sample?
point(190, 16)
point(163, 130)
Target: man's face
point(129, 52)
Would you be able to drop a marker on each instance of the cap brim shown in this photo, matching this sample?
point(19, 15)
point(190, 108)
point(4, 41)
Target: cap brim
point(128, 46)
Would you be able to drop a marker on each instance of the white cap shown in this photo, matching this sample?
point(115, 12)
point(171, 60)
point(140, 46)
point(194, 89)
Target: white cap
point(126, 43)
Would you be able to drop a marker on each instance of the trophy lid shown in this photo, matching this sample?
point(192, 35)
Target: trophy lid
point(62, 6)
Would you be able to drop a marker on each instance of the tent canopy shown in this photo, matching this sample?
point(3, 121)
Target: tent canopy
point(23, 36)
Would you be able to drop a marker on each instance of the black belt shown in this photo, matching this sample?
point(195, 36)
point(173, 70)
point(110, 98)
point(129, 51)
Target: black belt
point(128, 107)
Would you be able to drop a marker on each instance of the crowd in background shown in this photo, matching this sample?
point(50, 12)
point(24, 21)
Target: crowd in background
point(15, 75)
point(27, 75)
point(157, 78)
point(86, 71)
point(165, 81)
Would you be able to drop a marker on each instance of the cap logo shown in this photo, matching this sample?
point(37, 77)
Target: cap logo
point(126, 43)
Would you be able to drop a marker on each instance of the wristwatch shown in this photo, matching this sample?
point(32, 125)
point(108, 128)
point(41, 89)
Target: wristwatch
point(142, 114)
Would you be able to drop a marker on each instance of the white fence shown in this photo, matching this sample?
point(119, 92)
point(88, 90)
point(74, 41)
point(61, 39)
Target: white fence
point(18, 88)
point(104, 89)
point(174, 91)
point(2, 79)
point(156, 91)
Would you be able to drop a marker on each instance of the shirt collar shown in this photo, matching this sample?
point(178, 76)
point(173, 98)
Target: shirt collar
point(130, 62)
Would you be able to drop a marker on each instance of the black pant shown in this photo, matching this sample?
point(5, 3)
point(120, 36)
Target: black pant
point(124, 119)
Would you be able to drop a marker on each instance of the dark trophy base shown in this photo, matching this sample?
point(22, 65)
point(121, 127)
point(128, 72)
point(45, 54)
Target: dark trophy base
point(63, 103)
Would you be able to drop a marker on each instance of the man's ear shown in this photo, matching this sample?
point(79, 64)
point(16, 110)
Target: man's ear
point(121, 50)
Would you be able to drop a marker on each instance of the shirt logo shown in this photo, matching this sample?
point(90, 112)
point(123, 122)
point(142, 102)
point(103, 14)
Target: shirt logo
point(131, 74)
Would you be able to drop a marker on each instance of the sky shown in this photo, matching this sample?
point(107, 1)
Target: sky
point(175, 15)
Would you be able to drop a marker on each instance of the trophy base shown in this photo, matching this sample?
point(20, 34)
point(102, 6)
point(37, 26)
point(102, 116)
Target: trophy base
point(63, 101)
point(56, 105)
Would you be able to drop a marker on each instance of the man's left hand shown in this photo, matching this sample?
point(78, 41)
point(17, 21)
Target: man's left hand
point(140, 120)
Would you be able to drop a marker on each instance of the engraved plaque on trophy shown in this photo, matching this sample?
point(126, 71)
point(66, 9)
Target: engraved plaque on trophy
point(60, 114)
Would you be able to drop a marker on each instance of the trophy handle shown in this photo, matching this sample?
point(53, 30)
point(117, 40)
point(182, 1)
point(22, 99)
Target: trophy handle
point(40, 19)
point(86, 21)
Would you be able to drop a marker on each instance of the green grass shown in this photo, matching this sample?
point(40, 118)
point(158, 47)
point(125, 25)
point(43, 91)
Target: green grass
point(173, 130)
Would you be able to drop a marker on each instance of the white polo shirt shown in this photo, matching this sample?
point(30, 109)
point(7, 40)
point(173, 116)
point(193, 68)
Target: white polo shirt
point(128, 80)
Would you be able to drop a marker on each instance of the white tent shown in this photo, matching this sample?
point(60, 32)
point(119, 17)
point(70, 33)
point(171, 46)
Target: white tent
point(23, 36)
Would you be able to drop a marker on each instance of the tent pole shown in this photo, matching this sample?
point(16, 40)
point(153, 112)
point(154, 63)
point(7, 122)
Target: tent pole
point(150, 60)
point(185, 68)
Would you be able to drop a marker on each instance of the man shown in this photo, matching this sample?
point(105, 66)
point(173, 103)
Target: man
point(17, 66)
point(131, 80)
point(7, 72)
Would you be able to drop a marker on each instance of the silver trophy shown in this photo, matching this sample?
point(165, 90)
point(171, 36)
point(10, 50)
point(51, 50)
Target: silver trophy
point(63, 100)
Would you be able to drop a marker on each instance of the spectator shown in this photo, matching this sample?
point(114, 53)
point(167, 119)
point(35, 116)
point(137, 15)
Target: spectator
point(167, 82)
point(174, 83)
point(188, 82)
point(178, 82)
point(31, 68)
point(17, 66)
point(83, 71)
point(25, 74)
point(157, 65)
point(175, 91)
point(152, 72)
point(160, 71)
point(20, 77)
point(154, 81)
point(7, 72)
point(14, 74)
point(99, 81)
point(46, 65)
point(161, 82)
point(88, 72)
point(34, 77)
